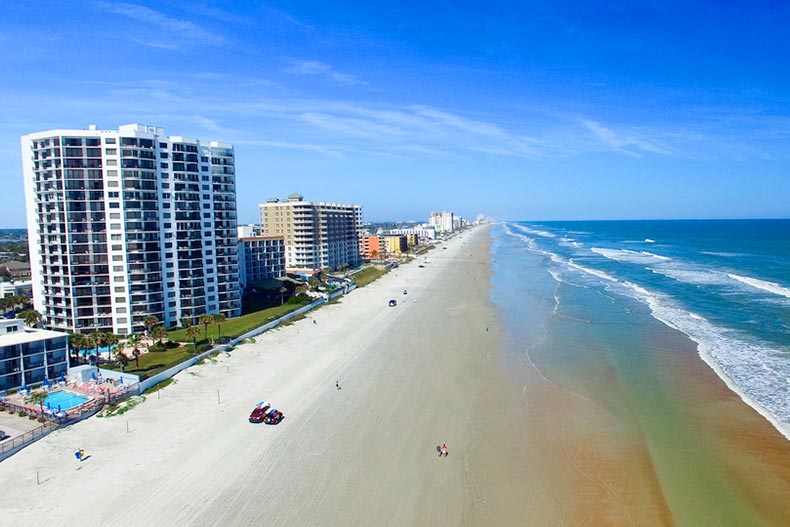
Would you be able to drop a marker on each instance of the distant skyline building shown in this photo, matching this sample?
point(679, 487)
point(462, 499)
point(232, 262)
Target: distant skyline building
point(442, 221)
point(128, 223)
point(317, 235)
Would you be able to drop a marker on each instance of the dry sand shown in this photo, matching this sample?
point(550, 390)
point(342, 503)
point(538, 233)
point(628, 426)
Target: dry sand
point(411, 379)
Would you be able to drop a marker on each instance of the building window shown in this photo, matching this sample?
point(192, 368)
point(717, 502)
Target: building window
point(112, 173)
point(111, 151)
point(115, 226)
point(112, 183)
point(112, 162)
point(120, 300)
point(113, 194)
point(117, 258)
point(121, 320)
point(109, 140)
point(120, 310)
point(115, 216)
point(116, 237)
point(117, 268)
point(118, 279)
point(120, 289)
point(115, 205)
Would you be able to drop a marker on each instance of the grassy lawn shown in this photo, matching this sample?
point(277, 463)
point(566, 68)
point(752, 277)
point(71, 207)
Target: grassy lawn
point(233, 327)
point(366, 276)
point(154, 362)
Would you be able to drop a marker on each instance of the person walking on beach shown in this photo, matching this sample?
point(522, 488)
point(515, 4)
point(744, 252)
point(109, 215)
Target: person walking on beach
point(443, 451)
point(337, 384)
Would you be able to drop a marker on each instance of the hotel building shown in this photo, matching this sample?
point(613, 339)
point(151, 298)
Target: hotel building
point(29, 356)
point(127, 223)
point(261, 258)
point(317, 235)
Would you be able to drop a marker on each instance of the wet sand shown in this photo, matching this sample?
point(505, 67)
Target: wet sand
point(633, 429)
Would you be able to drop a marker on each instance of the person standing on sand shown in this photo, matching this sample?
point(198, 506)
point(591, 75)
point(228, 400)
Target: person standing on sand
point(337, 384)
point(443, 451)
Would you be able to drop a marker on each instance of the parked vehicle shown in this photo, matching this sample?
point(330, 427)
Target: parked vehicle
point(273, 417)
point(3, 435)
point(259, 413)
point(393, 303)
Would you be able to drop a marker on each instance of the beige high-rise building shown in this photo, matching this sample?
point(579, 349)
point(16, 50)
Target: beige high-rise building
point(317, 235)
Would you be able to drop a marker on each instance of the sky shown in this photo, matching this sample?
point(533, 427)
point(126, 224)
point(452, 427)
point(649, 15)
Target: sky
point(528, 110)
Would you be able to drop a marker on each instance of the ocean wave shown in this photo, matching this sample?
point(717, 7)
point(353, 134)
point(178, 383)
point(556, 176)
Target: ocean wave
point(536, 232)
point(626, 256)
point(756, 372)
point(770, 287)
point(648, 240)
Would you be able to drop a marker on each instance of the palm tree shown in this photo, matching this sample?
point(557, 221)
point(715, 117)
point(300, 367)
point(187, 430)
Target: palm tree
point(219, 319)
point(110, 340)
point(136, 355)
point(39, 398)
point(193, 332)
point(122, 359)
point(150, 322)
point(31, 317)
point(159, 333)
point(90, 342)
point(76, 344)
point(206, 320)
point(282, 292)
point(186, 322)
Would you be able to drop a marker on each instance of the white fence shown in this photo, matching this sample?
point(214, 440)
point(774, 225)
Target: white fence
point(162, 376)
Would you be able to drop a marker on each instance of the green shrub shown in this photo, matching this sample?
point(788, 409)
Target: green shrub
point(301, 298)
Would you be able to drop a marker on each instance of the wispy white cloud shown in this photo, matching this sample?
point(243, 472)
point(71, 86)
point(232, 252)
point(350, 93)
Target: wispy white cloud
point(178, 30)
point(629, 142)
point(320, 69)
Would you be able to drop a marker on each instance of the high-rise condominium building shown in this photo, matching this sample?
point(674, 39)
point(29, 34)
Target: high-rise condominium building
point(317, 235)
point(442, 221)
point(127, 223)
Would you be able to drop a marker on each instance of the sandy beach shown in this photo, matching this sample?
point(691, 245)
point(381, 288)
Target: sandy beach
point(366, 454)
point(552, 436)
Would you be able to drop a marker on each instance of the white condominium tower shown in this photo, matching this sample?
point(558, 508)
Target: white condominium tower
point(127, 223)
point(317, 235)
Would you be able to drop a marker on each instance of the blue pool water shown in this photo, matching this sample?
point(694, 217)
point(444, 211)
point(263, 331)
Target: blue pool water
point(66, 400)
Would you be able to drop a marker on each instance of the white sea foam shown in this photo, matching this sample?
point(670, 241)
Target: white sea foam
point(624, 255)
point(648, 240)
point(692, 276)
point(770, 287)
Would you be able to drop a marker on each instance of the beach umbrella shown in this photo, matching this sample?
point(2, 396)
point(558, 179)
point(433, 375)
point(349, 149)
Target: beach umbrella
point(49, 405)
point(93, 375)
point(121, 380)
point(46, 382)
point(58, 408)
point(62, 377)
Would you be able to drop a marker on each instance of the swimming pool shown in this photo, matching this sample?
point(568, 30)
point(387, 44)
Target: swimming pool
point(66, 400)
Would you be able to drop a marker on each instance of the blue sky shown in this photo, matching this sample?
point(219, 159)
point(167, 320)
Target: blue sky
point(521, 110)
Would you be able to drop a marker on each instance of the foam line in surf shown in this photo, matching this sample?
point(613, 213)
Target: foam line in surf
point(764, 285)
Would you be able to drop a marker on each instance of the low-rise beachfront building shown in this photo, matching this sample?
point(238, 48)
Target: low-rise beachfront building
point(261, 258)
point(370, 247)
point(395, 245)
point(421, 234)
point(18, 288)
point(29, 356)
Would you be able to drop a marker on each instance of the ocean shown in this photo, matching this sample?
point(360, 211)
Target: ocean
point(723, 283)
